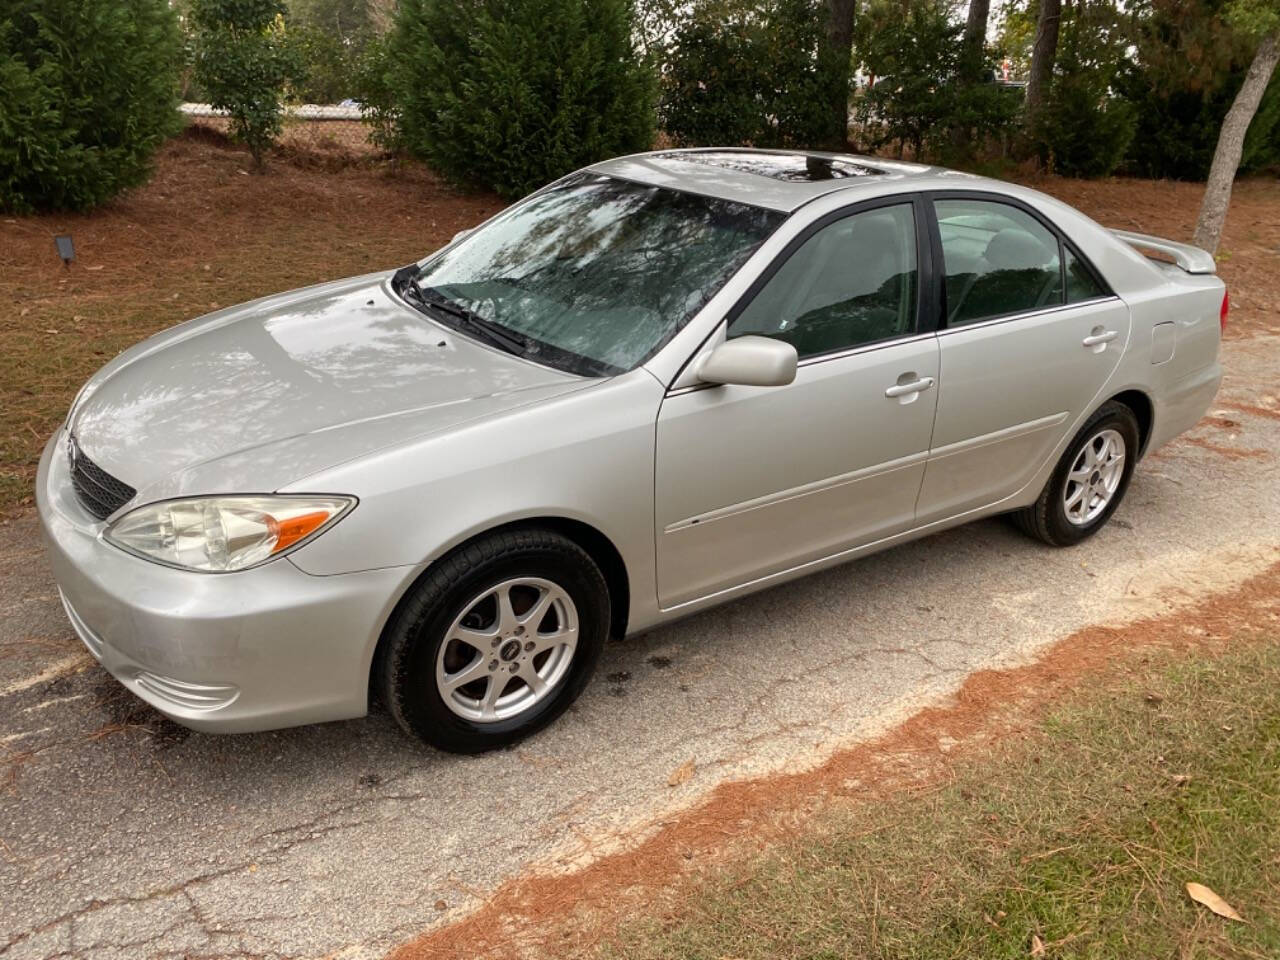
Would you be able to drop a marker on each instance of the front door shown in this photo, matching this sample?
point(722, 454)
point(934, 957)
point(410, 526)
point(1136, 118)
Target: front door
point(1031, 337)
point(751, 481)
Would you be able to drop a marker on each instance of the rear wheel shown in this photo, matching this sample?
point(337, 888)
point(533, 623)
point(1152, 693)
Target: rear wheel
point(1089, 481)
point(495, 641)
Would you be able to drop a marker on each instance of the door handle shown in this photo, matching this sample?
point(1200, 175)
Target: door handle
point(904, 389)
point(1099, 339)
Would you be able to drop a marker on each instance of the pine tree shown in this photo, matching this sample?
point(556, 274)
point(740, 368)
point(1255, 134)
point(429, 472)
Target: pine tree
point(90, 91)
point(511, 94)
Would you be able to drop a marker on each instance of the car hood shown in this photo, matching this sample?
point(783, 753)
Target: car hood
point(262, 395)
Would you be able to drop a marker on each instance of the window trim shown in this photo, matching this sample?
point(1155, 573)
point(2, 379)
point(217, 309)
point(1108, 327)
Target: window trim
point(926, 302)
point(1064, 244)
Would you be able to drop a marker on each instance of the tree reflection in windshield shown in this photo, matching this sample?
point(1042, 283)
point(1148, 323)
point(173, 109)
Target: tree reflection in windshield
point(602, 271)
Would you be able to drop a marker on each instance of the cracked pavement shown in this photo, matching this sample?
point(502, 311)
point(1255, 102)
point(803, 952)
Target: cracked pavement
point(124, 835)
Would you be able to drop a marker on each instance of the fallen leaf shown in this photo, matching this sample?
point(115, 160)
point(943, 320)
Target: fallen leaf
point(1206, 897)
point(681, 774)
point(253, 868)
point(1037, 946)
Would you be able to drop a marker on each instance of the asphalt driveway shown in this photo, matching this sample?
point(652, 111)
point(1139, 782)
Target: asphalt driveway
point(123, 835)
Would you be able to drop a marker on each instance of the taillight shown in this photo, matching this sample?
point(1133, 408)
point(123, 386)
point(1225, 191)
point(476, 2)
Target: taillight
point(1226, 306)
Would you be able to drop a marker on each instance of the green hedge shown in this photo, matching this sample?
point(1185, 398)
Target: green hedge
point(511, 94)
point(751, 77)
point(88, 92)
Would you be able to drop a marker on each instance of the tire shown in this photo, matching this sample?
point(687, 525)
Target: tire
point(428, 650)
point(1049, 519)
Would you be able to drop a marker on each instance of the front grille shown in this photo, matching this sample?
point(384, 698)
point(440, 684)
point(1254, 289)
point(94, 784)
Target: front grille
point(98, 491)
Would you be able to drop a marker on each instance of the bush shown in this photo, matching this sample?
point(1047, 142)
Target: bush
point(510, 94)
point(1185, 71)
point(329, 37)
point(89, 94)
point(244, 61)
point(327, 63)
point(925, 96)
point(1083, 129)
point(751, 77)
point(375, 90)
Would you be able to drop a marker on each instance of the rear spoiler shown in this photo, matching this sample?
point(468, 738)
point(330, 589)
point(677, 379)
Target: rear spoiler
point(1190, 259)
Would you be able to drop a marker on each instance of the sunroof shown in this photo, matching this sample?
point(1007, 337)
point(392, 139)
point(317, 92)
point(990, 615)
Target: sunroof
point(791, 167)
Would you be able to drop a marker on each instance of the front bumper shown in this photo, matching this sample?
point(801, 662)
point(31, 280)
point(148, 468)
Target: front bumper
point(255, 650)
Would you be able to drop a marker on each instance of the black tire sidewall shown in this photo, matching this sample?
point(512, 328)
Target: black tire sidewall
point(1110, 417)
point(414, 696)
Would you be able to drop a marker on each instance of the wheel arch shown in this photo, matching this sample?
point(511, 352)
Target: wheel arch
point(1143, 409)
point(596, 544)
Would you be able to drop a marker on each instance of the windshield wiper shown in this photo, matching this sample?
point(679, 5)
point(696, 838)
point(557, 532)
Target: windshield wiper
point(405, 282)
point(494, 333)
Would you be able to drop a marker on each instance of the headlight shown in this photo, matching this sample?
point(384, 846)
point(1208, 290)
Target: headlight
point(222, 534)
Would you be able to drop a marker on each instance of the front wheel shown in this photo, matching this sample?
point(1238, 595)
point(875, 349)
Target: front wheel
point(1089, 481)
point(495, 641)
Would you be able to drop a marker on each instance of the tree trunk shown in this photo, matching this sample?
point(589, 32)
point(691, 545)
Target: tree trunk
point(975, 30)
point(1226, 156)
point(836, 52)
point(972, 61)
point(1043, 54)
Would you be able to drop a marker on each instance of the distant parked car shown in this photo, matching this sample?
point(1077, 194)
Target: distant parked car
point(657, 384)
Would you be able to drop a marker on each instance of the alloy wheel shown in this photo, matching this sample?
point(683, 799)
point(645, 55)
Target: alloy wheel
point(1094, 477)
point(508, 650)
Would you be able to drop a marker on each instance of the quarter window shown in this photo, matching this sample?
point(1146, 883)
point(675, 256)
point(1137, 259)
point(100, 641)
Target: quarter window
point(1081, 284)
point(853, 282)
point(998, 259)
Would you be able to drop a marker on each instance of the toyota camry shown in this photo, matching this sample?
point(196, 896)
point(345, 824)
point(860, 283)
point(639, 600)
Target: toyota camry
point(655, 385)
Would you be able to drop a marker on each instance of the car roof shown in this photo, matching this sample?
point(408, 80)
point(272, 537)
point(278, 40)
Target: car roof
point(777, 179)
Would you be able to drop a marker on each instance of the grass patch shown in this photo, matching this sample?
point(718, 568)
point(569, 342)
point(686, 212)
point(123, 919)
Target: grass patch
point(1082, 833)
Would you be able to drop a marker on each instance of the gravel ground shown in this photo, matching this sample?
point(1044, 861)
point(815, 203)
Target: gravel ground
point(123, 835)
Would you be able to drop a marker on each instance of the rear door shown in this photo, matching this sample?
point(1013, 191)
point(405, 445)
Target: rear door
point(751, 481)
point(1030, 336)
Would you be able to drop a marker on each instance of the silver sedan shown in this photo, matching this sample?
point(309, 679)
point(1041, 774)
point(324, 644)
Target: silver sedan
point(655, 385)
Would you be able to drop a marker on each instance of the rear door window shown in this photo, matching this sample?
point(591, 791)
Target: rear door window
point(999, 260)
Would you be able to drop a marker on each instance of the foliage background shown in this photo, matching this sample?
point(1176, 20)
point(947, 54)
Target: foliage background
point(511, 94)
point(89, 93)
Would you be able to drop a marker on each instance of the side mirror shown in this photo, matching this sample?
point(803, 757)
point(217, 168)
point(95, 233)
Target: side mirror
point(460, 234)
point(750, 362)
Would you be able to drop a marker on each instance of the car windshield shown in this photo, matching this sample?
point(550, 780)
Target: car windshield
point(594, 274)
